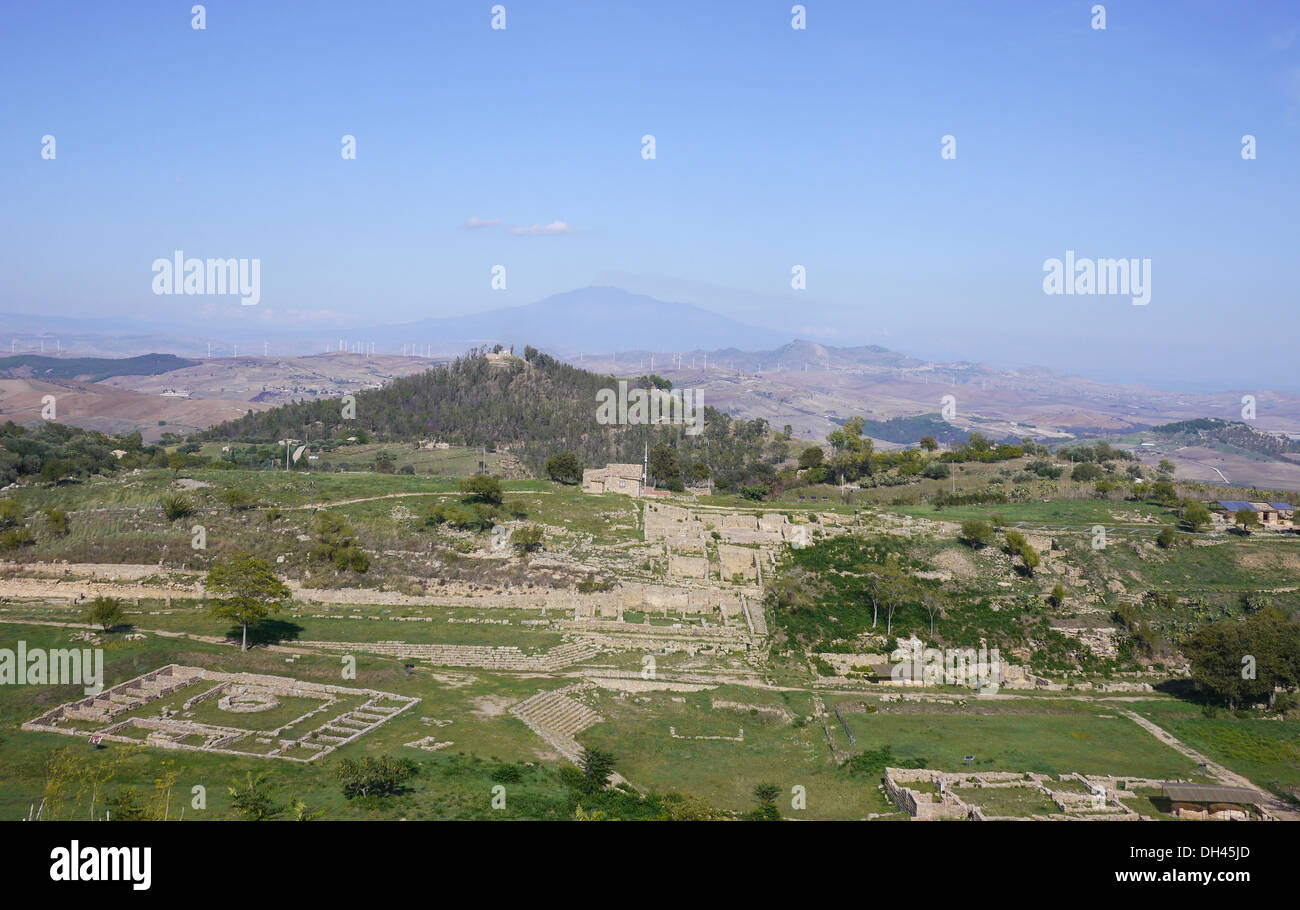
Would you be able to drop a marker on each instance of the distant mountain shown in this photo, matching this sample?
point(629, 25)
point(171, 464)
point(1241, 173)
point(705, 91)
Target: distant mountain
point(800, 354)
point(89, 369)
point(588, 319)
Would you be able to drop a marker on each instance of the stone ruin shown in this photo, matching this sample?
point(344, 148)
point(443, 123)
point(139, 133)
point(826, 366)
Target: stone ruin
point(237, 693)
point(685, 527)
point(1098, 801)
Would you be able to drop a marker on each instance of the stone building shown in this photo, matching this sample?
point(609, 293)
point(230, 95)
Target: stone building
point(614, 478)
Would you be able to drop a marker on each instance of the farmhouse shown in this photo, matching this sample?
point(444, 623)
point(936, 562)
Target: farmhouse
point(1285, 512)
point(1276, 515)
point(614, 478)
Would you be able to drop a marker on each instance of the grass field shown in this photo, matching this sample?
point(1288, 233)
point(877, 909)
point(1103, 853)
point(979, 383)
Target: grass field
point(1048, 739)
point(1014, 802)
point(724, 772)
point(1264, 749)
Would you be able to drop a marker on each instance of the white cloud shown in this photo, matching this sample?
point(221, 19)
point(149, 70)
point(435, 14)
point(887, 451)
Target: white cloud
point(554, 229)
point(474, 223)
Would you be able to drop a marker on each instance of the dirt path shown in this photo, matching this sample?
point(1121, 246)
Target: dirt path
point(1274, 805)
point(348, 502)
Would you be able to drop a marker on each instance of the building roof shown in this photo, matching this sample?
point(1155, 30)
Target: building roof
point(1200, 793)
point(627, 471)
point(1283, 506)
point(1236, 505)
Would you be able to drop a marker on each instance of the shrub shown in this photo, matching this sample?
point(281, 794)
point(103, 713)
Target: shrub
point(374, 776)
point(482, 488)
point(176, 505)
point(15, 538)
point(11, 513)
point(239, 499)
point(105, 612)
point(335, 543)
point(56, 521)
point(976, 533)
point(506, 774)
point(1196, 515)
point(1087, 472)
point(527, 539)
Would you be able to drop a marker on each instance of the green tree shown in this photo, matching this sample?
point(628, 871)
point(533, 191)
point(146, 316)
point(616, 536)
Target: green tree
point(1163, 491)
point(1087, 472)
point(126, 805)
point(811, 457)
point(1246, 660)
point(247, 590)
point(936, 470)
point(976, 533)
point(564, 468)
point(664, 464)
point(1195, 514)
point(766, 794)
point(254, 802)
point(1246, 518)
point(597, 767)
point(1058, 595)
point(891, 587)
point(482, 488)
point(105, 612)
point(934, 606)
point(928, 443)
point(1029, 558)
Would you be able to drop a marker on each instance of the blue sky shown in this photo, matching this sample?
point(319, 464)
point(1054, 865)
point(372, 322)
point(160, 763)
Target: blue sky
point(775, 147)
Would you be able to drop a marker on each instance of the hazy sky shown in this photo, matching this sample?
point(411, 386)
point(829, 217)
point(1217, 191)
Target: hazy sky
point(774, 147)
